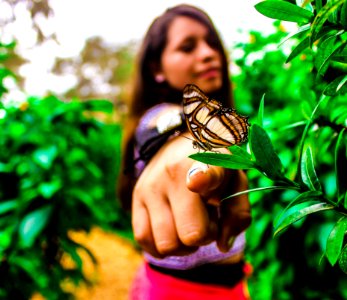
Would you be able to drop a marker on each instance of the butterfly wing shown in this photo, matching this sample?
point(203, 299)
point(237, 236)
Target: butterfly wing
point(225, 129)
point(211, 125)
point(198, 110)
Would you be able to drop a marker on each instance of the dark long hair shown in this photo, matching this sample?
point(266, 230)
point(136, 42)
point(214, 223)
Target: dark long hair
point(147, 92)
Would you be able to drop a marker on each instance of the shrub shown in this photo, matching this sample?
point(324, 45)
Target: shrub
point(58, 169)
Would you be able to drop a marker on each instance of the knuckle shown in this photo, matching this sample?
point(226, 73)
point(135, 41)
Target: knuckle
point(194, 236)
point(136, 191)
point(167, 247)
point(141, 189)
point(173, 169)
point(176, 167)
point(141, 236)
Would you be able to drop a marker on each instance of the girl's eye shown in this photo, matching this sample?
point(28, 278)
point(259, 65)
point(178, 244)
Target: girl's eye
point(187, 46)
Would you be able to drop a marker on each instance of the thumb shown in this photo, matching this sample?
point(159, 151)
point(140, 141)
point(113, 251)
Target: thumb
point(204, 179)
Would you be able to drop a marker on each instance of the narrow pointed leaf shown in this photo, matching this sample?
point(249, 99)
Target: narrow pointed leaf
point(343, 16)
point(335, 240)
point(297, 215)
point(284, 11)
point(302, 30)
point(340, 54)
point(232, 161)
point(326, 50)
point(337, 86)
point(308, 172)
point(342, 83)
point(264, 153)
point(304, 44)
point(261, 111)
point(343, 259)
point(308, 196)
point(322, 17)
point(305, 134)
point(341, 165)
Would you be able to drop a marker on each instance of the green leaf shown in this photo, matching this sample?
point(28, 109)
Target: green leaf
point(4, 168)
point(326, 50)
point(337, 86)
point(302, 30)
point(340, 54)
point(299, 214)
point(7, 206)
point(285, 11)
point(335, 240)
point(261, 111)
point(305, 134)
point(264, 153)
point(48, 189)
point(44, 157)
point(99, 105)
point(6, 236)
point(239, 151)
point(31, 263)
point(71, 248)
point(33, 224)
point(343, 15)
point(319, 5)
point(237, 160)
point(80, 194)
point(308, 172)
point(308, 196)
point(304, 44)
point(322, 17)
point(343, 259)
point(341, 165)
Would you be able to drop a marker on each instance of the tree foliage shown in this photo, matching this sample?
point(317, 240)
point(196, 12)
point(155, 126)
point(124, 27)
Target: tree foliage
point(102, 71)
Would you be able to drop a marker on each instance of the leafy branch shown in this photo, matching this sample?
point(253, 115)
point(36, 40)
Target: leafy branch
point(323, 31)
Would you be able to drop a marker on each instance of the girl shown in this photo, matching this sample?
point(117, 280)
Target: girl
point(193, 248)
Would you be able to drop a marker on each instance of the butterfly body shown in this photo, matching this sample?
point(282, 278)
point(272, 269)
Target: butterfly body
point(212, 125)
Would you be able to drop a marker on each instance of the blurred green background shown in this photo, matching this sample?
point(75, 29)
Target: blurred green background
point(60, 156)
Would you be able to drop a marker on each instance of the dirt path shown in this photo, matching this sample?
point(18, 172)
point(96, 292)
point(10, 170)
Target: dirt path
point(118, 262)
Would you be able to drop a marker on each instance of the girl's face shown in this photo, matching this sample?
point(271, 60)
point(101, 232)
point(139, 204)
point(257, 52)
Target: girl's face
point(189, 57)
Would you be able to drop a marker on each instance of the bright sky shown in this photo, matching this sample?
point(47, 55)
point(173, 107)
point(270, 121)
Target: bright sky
point(121, 21)
point(117, 22)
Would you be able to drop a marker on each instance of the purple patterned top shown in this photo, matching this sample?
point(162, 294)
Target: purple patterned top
point(157, 121)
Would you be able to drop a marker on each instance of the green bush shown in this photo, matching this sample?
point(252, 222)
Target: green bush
point(58, 170)
point(296, 155)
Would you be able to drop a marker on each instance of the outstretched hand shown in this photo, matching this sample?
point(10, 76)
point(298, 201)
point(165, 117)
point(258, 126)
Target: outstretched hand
point(176, 203)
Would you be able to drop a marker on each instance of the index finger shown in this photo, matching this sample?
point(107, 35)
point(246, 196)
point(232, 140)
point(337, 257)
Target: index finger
point(192, 218)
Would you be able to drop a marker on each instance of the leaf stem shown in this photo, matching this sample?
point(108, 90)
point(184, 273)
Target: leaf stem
point(273, 187)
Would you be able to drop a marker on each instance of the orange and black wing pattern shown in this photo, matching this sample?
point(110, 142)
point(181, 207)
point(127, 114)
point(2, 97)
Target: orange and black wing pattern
point(212, 125)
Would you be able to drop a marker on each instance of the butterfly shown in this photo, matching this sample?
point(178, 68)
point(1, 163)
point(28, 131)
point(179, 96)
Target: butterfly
point(211, 124)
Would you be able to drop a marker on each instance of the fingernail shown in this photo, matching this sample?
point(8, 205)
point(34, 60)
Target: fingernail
point(195, 169)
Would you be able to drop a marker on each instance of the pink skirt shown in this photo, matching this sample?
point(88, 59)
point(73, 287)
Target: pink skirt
point(150, 284)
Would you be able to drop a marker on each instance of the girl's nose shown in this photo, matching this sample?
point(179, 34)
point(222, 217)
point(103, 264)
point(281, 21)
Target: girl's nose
point(206, 51)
